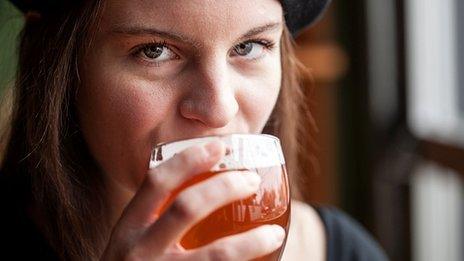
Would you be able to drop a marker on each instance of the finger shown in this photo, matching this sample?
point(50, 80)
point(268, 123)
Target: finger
point(162, 180)
point(197, 202)
point(244, 246)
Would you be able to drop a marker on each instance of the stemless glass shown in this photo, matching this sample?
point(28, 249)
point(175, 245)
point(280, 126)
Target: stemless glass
point(269, 205)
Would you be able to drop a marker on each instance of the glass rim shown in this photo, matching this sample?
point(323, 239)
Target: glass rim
point(216, 135)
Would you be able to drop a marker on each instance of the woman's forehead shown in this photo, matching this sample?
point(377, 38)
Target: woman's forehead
point(192, 18)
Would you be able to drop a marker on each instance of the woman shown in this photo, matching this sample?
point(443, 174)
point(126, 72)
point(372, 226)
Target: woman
point(100, 82)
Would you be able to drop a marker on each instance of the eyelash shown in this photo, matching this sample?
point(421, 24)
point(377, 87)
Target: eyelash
point(138, 49)
point(268, 45)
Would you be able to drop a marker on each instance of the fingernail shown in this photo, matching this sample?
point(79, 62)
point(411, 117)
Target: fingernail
point(214, 147)
point(279, 234)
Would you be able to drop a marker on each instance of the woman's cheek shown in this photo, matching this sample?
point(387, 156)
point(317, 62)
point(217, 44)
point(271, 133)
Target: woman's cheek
point(119, 123)
point(258, 88)
point(266, 90)
point(258, 98)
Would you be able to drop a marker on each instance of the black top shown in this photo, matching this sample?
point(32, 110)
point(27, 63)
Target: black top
point(347, 240)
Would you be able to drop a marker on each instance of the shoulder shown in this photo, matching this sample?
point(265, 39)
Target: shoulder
point(347, 239)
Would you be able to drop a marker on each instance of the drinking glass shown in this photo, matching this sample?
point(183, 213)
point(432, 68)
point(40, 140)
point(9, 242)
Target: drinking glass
point(269, 205)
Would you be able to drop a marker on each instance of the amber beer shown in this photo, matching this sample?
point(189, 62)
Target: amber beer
point(269, 205)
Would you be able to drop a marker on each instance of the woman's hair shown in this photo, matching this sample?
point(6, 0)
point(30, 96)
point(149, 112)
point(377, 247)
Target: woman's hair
point(47, 158)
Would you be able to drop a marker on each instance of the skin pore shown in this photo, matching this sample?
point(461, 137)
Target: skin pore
point(165, 70)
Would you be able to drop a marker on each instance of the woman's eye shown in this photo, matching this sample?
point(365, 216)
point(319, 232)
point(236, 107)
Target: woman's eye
point(244, 48)
point(156, 53)
point(249, 50)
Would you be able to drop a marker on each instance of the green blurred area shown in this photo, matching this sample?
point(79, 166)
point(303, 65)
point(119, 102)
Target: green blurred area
point(11, 22)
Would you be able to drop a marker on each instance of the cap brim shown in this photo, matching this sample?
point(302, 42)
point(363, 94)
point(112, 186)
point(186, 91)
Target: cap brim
point(300, 14)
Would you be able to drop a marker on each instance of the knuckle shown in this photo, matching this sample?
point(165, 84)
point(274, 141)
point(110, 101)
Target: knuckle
point(156, 181)
point(183, 209)
point(184, 156)
point(120, 252)
point(230, 182)
point(193, 156)
point(220, 253)
point(154, 178)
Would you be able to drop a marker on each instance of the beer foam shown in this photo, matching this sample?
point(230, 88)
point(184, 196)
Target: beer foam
point(244, 151)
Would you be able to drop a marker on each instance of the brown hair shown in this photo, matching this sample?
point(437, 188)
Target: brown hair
point(46, 153)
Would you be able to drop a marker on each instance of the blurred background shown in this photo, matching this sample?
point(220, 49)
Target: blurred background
point(390, 110)
point(387, 99)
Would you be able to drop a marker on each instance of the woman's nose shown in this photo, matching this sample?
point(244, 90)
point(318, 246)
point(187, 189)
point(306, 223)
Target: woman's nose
point(211, 97)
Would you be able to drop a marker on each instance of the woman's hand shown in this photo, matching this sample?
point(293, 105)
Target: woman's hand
point(141, 234)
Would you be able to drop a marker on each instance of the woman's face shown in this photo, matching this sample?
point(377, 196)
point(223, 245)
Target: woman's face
point(161, 70)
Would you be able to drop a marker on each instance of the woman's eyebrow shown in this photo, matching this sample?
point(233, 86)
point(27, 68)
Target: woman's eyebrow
point(261, 29)
point(141, 30)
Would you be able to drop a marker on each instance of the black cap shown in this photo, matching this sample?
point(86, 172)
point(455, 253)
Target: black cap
point(299, 14)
